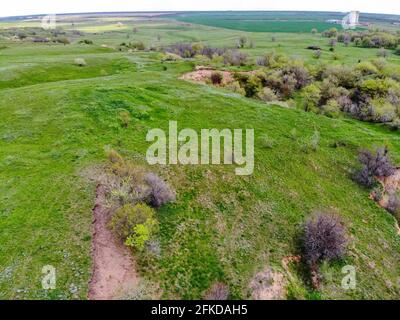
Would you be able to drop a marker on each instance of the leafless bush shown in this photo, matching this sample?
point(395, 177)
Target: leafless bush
point(218, 291)
point(160, 192)
point(235, 58)
point(374, 165)
point(325, 239)
point(393, 205)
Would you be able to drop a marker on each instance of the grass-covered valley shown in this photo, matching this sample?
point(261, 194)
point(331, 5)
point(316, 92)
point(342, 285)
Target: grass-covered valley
point(65, 106)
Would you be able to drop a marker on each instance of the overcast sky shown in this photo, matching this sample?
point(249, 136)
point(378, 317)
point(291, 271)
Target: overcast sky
point(25, 7)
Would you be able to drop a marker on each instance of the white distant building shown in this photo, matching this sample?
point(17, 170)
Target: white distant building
point(351, 21)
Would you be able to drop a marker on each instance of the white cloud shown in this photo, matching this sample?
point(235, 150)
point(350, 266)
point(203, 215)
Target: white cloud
point(24, 7)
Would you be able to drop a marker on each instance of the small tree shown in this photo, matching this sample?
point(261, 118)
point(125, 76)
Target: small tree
point(314, 31)
point(216, 78)
point(374, 165)
point(325, 239)
point(397, 51)
point(242, 42)
point(311, 96)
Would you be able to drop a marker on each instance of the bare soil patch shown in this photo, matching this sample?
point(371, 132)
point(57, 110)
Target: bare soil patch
point(114, 274)
point(268, 285)
point(202, 74)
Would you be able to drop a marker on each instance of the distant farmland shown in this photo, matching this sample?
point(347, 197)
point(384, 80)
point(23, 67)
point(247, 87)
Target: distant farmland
point(262, 21)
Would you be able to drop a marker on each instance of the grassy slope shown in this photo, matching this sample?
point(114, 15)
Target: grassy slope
point(222, 226)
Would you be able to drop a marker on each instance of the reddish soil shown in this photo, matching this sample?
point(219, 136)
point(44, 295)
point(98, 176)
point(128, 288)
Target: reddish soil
point(203, 75)
point(114, 272)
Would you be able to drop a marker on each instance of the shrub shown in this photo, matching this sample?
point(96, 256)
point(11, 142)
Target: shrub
point(331, 108)
point(126, 218)
point(374, 165)
point(397, 51)
point(325, 239)
point(141, 235)
point(383, 53)
point(62, 40)
point(367, 68)
point(216, 78)
point(267, 95)
point(80, 62)
point(235, 58)
point(86, 41)
point(393, 205)
point(125, 117)
point(332, 42)
point(252, 86)
point(315, 140)
point(235, 87)
point(218, 291)
point(267, 142)
point(331, 33)
point(242, 42)
point(311, 96)
point(314, 31)
point(160, 192)
point(317, 54)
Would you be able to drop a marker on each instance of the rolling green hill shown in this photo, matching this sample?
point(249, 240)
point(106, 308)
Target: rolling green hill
point(56, 120)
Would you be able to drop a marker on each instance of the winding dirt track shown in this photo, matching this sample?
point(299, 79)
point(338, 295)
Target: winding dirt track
point(114, 273)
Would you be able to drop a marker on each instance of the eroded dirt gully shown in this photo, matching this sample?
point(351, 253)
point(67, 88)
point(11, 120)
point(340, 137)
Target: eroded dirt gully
point(390, 186)
point(114, 272)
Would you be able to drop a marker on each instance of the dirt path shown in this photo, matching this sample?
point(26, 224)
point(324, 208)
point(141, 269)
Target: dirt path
point(114, 272)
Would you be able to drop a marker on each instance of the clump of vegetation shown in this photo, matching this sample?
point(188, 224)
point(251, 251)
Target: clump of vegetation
point(218, 291)
point(267, 95)
point(216, 78)
point(86, 41)
point(393, 205)
point(317, 54)
point(139, 45)
point(62, 40)
point(160, 192)
point(368, 38)
point(374, 165)
point(325, 239)
point(134, 224)
point(80, 62)
point(125, 117)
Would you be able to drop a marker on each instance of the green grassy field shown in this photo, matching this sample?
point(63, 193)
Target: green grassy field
point(57, 119)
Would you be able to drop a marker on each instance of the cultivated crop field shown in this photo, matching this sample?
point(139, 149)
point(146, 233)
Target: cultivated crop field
point(70, 108)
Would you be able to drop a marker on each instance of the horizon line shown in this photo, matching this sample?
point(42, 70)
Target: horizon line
point(183, 11)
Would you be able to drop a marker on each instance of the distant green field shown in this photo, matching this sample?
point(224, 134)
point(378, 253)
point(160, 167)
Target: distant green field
point(262, 22)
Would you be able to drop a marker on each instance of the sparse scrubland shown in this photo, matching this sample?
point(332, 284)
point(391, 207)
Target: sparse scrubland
point(77, 102)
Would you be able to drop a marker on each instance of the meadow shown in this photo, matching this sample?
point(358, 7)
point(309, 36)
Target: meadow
point(58, 118)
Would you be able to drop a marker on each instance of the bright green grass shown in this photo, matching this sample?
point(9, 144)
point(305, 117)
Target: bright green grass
point(222, 227)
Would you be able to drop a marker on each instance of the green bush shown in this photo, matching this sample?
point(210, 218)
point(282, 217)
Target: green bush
point(126, 219)
point(267, 95)
point(311, 96)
